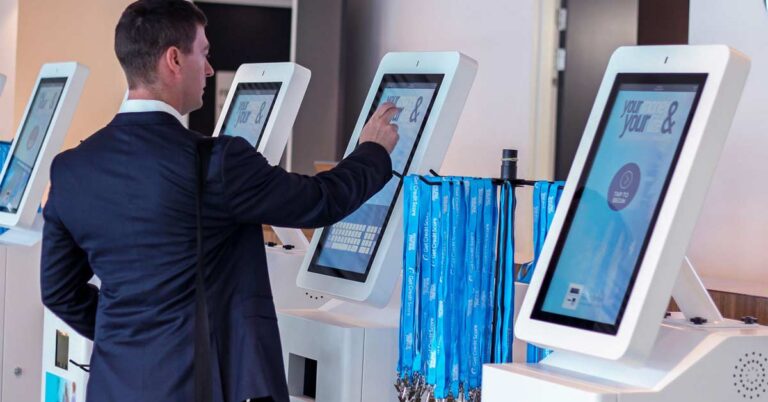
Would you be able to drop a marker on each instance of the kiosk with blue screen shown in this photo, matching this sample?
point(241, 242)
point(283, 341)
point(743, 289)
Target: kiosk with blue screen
point(346, 249)
point(261, 107)
point(358, 261)
point(617, 202)
point(614, 254)
point(248, 116)
point(23, 180)
point(39, 138)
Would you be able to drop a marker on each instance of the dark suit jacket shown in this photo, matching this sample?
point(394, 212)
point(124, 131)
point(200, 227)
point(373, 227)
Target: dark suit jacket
point(122, 206)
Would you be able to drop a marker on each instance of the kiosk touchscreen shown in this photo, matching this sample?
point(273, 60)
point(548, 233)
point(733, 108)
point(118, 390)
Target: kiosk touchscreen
point(262, 104)
point(40, 136)
point(358, 257)
point(639, 178)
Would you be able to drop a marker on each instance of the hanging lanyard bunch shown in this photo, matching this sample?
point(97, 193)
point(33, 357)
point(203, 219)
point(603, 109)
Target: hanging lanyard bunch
point(546, 196)
point(503, 320)
point(447, 293)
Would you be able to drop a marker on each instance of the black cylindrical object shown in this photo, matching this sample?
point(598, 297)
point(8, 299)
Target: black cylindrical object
point(509, 164)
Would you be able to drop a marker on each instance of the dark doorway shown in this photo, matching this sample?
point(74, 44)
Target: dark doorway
point(594, 29)
point(240, 34)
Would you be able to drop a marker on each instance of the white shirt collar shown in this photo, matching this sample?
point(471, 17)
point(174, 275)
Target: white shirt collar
point(149, 105)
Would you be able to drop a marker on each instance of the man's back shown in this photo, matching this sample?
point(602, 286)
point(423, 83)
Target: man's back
point(122, 206)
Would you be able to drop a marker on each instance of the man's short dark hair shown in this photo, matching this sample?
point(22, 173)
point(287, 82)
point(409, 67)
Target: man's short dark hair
point(147, 29)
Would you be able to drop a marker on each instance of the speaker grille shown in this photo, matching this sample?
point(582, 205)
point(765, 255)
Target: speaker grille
point(749, 376)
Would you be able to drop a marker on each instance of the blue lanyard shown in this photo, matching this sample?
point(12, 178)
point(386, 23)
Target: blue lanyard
point(448, 285)
point(457, 275)
point(545, 198)
point(552, 199)
point(539, 213)
point(425, 219)
point(540, 225)
point(442, 341)
point(434, 268)
point(488, 242)
point(541, 230)
point(471, 363)
point(409, 312)
point(498, 279)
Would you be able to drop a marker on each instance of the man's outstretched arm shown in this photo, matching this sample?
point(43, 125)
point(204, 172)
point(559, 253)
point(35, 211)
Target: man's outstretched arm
point(260, 193)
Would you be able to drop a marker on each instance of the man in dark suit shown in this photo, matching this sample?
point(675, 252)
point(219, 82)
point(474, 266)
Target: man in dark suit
point(122, 205)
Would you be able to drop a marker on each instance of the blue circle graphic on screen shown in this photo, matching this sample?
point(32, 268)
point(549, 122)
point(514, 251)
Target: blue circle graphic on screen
point(624, 186)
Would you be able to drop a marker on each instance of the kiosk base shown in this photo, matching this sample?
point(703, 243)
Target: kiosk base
point(283, 266)
point(342, 352)
point(24, 236)
point(725, 362)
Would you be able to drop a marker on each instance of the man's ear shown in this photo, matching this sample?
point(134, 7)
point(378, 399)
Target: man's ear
point(172, 59)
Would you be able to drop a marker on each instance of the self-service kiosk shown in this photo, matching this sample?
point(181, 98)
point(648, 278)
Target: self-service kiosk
point(23, 179)
point(614, 254)
point(40, 136)
point(346, 350)
point(261, 107)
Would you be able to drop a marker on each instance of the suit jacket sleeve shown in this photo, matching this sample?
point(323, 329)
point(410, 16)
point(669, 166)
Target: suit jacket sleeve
point(65, 272)
point(260, 193)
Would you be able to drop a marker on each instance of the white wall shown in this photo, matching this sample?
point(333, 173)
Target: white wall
point(500, 35)
point(730, 245)
point(9, 16)
point(8, 32)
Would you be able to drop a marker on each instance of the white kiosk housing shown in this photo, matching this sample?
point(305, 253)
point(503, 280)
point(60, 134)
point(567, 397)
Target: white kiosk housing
point(39, 138)
point(261, 107)
point(614, 254)
point(343, 351)
point(24, 177)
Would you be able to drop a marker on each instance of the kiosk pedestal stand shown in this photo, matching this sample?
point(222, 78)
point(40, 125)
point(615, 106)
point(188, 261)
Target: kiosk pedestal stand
point(341, 351)
point(698, 356)
point(25, 176)
point(346, 351)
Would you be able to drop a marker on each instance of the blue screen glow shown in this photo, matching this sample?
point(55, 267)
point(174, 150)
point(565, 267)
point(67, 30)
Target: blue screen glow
point(618, 201)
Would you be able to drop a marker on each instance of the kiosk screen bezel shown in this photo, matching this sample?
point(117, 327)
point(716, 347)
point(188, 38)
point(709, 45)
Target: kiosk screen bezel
point(538, 313)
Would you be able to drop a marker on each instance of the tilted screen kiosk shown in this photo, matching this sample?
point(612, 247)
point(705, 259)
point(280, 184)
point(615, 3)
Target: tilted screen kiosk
point(349, 349)
point(261, 107)
point(24, 177)
point(39, 138)
point(613, 257)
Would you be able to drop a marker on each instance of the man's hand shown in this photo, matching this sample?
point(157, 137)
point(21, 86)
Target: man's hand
point(379, 128)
